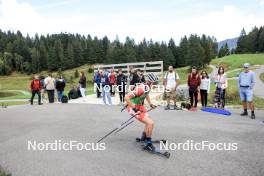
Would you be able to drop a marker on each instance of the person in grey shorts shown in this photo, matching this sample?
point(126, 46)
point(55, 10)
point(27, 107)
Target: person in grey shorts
point(246, 82)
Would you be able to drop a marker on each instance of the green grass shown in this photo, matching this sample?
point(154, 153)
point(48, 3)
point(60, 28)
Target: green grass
point(3, 173)
point(262, 77)
point(13, 103)
point(234, 73)
point(236, 61)
point(10, 95)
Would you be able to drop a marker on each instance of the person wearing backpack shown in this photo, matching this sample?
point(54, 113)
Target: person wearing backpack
point(194, 82)
point(35, 88)
point(171, 82)
point(60, 85)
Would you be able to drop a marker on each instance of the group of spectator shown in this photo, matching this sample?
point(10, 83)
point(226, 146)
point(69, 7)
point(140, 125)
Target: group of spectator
point(199, 83)
point(108, 82)
point(46, 88)
point(119, 82)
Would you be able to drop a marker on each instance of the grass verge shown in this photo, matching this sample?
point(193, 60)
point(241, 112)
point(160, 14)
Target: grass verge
point(262, 77)
point(237, 60)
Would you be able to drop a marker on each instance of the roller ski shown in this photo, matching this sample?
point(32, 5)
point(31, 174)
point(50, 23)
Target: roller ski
point(151, 149)
point(154, 141)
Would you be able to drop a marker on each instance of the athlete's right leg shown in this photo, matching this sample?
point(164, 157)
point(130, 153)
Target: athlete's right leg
point(149, 124)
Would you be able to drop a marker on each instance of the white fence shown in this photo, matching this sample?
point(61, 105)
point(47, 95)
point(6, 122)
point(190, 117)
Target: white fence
point(148, 67)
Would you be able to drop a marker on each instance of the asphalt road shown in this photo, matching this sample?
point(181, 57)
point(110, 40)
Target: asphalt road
point(123, 156)
point(259, 87)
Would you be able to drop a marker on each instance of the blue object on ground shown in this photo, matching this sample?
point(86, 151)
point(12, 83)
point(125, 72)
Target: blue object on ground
point(217, 111)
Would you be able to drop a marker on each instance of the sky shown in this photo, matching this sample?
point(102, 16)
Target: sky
point(158, 20)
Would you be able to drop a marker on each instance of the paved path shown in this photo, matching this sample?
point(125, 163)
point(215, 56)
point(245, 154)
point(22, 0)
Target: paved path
point(123, 156)
point(259, 87)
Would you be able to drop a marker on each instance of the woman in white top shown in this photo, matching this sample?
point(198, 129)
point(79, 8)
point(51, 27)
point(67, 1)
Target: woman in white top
point(221, 85)
point(204, 88)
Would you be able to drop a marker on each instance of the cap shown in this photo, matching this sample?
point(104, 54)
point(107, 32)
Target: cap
point(246, 65)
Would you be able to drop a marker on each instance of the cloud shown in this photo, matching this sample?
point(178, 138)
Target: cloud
point(56, 4)
point(261, 2)
point(224, 23)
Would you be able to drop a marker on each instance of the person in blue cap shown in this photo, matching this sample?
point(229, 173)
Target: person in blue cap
point(246, 82)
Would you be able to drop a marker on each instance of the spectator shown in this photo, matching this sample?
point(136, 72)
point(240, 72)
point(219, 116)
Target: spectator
point(43, 89)
point(134, 79)
point(221, 85)
point(82, 84)
point(204, 88)
point(105, 83)
point(246, 84)
point(140, 76)
point(171, 82)
point(50, 87)
point(194, 84)
point(73, 93)
point(112, 78)
point(121, 83)
point(97, 81)
point(60, 85)
point(35, 88)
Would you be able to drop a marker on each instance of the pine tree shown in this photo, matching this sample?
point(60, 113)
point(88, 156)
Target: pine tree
point(196, 52)
point(35, 63)
point(224, 51)
point(183, 52)
point(261, 40)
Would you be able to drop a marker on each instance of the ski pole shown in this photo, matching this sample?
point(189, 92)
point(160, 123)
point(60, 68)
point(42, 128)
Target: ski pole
point(121, 126)
point(124, 108)
point(107, 135)
point(124, 126)
point(117, 128)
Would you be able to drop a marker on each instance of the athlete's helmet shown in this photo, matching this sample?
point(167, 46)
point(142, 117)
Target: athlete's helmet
point(151, 77)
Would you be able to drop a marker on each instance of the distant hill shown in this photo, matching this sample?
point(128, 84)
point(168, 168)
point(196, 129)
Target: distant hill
point(232, 43)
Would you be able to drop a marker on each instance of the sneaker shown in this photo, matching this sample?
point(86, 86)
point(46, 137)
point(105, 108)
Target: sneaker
point(244, 113)
point(149, 147)
point(167, 107)
point(253, 116)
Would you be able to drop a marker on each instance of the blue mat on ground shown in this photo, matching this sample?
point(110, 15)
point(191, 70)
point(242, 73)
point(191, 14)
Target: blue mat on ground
point(217, 111)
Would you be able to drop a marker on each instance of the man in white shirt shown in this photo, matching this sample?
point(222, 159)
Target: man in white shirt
point(171, 82)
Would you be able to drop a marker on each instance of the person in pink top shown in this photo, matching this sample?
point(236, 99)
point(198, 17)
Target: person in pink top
point(112, 79)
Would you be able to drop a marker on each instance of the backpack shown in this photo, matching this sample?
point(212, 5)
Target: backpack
point(166, 77)
point(36, 84)
point(64, 99)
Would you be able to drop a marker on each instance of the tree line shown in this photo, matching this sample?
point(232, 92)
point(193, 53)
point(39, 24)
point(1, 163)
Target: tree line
point(58, 52)
point(253, 42)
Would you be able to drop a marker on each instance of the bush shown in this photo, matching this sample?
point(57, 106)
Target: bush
point(76, 74)
point(90, 70)
point(3, 173)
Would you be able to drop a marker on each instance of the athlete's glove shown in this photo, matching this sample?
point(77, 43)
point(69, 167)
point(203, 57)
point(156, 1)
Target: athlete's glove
point(153, 106)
